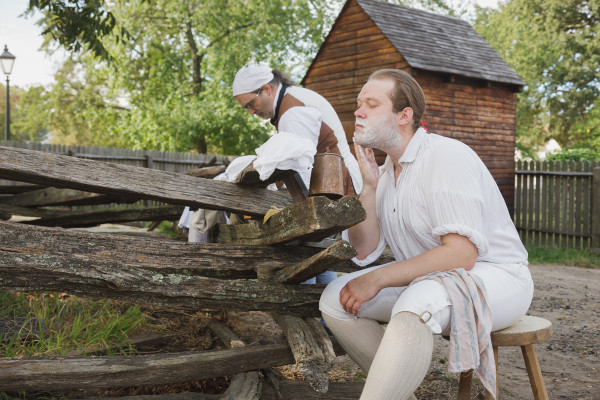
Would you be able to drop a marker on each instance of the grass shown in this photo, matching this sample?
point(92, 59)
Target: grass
point(562, 256)
point(69, 323)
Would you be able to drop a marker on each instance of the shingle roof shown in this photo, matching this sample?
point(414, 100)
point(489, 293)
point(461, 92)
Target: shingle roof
point(439, 43)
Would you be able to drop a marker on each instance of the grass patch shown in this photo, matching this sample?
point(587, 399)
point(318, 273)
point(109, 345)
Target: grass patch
point(169, 228)
point(69, 323)
point(562, 256)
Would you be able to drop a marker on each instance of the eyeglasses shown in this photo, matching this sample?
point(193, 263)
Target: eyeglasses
point(250, 104)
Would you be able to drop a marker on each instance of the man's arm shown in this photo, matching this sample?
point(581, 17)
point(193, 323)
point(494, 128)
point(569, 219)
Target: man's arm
point(456, 251)
point(364, 237)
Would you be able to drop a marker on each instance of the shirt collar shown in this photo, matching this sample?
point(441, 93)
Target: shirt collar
point(412, 149)
point(410, 152)
point(276, 96)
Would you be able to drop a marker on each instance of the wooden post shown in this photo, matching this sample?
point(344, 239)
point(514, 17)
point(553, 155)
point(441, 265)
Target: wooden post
point(596, 210)
point(149, 160)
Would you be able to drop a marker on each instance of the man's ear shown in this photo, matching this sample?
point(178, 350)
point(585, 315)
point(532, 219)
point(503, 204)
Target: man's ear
point(404, 117)
point(267, 89)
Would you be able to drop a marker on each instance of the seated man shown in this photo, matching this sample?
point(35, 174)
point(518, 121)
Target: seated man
point(461, 269)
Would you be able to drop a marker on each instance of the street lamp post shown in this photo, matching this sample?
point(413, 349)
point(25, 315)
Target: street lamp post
point(7, 60)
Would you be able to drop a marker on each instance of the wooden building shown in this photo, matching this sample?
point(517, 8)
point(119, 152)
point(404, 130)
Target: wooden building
point(469, 88)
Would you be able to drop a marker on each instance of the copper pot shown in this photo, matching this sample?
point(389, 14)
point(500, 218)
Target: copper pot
point(327, 178)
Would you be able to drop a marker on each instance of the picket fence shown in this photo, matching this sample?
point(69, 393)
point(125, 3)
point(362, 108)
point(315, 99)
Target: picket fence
point(554, 203)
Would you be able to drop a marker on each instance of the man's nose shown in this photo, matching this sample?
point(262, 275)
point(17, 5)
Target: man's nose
point(359, 112)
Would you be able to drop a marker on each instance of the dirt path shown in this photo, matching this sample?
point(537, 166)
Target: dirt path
point(569, 297)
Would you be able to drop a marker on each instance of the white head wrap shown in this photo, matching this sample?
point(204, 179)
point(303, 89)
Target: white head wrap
point(251, 77)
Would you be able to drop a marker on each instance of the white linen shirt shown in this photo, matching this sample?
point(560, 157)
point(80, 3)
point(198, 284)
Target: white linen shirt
point(443, 188)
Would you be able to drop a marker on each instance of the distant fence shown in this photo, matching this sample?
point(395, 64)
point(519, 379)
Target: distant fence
point(161, 160)
point(554, 203)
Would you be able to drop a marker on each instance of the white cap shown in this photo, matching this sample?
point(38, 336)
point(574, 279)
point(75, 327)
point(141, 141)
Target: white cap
point(251, 77)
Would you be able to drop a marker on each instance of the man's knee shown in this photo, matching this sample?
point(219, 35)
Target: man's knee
point(330, 300)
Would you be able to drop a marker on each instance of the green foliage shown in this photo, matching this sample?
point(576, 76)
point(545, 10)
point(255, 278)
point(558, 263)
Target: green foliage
point(79, 25)
point(71, 323)
point(562, 256)
point(574, 155)
point(172, 87)
point(553, 45)
point(29, 113)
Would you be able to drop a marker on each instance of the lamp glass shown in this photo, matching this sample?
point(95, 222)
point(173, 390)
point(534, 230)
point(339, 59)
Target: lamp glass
point(7, 60)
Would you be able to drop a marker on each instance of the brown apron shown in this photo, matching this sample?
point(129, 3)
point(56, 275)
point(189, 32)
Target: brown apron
point(327, 141)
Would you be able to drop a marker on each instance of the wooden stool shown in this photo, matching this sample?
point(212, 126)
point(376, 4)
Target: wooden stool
point(525, 332)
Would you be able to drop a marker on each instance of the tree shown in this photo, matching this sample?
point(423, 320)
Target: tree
point(79, 25)
point(554, 46)
point(174, 70)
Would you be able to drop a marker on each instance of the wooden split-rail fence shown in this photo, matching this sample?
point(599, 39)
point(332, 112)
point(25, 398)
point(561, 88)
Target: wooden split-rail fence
point(250, 267)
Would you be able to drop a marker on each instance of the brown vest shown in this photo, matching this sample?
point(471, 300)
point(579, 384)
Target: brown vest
point(327, 141)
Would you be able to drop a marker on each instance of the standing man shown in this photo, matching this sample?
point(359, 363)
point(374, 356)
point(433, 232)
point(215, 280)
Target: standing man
point(267, 93)
point(270, 95)
point(460, 270)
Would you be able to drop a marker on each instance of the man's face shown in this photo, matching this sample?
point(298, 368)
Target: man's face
point(260, 103)
point(375, 118)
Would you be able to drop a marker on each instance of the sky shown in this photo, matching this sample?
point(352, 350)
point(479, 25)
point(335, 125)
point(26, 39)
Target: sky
point(23, 38)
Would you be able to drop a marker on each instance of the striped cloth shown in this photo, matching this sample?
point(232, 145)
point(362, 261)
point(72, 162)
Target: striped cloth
point(471, 324)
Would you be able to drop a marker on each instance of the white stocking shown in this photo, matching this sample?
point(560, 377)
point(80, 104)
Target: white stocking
point(359, 337)
point(401, 361)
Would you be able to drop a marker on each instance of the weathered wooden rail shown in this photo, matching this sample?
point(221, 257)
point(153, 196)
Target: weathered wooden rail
point(252, 267)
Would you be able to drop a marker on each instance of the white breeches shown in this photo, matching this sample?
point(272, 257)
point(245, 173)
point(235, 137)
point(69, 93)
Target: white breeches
point(509, 293)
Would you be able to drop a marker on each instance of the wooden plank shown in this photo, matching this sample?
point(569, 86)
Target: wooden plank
point(212, 260)
point(206, 172)
point(245, 385)
point(310, 358)
point(314, 219)
point(595, 206)
point(586, 204)
point(97, 217)
point(313, 266)
point(536, 204)
point(61, 197)
point(135, 182)
point(298, 390)
point(59, 373)
point(22, 272)
point(564, 190)
point(577, 206)
point(30, 212)
point(544, 206)
point(8, 187)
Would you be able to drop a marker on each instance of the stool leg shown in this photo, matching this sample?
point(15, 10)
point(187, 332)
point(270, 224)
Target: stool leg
point(488, 395)
point(535, 373)
point(464, 387)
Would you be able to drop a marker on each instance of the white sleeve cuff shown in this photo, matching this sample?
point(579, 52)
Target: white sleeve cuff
point(371, 257)
point(474, 236)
